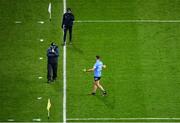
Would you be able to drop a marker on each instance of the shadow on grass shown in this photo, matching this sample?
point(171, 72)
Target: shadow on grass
point(76, 49)
point(108, 100)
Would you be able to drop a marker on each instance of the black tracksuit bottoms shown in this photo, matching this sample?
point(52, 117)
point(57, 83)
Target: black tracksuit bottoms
point(66, 28)
point(52, 71)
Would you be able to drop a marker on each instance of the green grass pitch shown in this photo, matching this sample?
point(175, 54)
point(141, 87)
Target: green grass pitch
point(143, 60)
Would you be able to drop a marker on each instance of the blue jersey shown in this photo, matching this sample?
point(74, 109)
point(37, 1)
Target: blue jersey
point(98, 68)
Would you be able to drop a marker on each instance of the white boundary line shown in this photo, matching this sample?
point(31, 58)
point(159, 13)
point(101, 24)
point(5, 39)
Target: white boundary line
point(10, 120)
point(36, 120)
point(127, 21)
point(40, 22)
point(64, 84)
point(64, 6)
point(18, 22)
point(64, 72)
point(130, 119)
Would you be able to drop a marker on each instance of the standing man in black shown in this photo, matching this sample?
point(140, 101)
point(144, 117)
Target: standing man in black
point(52, 54)
point(67, 24)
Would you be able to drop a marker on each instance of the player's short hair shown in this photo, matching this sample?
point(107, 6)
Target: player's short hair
point(68, 9)
point(97, 57)
point(53, 44)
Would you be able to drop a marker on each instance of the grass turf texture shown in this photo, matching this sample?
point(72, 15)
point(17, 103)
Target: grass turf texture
point(142, 75)
point(20, 64)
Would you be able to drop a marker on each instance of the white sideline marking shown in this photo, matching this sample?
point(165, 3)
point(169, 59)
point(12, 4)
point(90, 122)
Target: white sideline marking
point(40, 77)
point(37, 119)
point(41, 40)
point(41, 22)
point(88, 119)
point(127, 21)
point(40, 58)
point(39, 98)
point(64, 73)
point(64, 83)
point(17, 22)
point(11, 120)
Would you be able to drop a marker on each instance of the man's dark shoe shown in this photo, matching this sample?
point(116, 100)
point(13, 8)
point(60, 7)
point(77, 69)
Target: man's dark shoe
point(104, 93)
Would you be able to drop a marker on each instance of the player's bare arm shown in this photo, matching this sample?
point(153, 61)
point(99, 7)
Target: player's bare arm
point(89, 70)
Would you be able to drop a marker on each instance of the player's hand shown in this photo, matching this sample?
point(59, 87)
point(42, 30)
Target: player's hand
point(63, 26)
point(84, 70)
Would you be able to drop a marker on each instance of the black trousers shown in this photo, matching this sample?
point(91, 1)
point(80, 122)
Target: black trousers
point(66, 28)
point(52, 71)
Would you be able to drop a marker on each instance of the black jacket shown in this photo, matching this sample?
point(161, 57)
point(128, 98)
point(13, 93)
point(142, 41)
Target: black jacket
point(53, 56)
point(68, 19)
